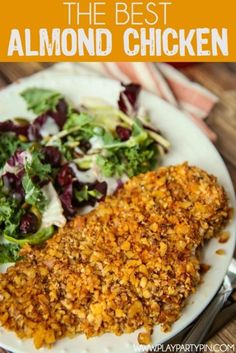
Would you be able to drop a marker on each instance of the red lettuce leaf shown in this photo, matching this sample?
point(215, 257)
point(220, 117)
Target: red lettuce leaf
point(123, 133)
point(52, 155)
point(65, 176)
point(129, 98)
point(59, 116)
point(13, 185)
point(29, 223)
point(10, 126)
point(66, 198)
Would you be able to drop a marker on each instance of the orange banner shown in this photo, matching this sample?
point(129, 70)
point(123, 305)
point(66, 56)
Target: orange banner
point(125, 30)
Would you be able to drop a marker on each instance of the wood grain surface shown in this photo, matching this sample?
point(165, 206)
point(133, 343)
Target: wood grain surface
point(220, 78)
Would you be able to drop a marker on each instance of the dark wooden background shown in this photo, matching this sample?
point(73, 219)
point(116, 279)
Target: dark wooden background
point(220, 78)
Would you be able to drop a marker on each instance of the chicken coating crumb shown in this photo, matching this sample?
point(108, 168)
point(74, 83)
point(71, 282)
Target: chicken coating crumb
point(130, 263)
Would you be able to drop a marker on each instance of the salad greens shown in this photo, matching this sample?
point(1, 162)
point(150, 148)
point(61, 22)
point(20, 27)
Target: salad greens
point(77, 121)
point(9, 253)
point(41, 100)
point(10, 212)
point(85, 193)
point(33, 194)
point(9, 143)
point(37, 166)
point(65, 158)
point(132, 161)
point(35, 239)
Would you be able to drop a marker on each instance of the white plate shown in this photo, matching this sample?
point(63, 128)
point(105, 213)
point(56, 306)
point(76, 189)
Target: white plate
point(188, 144)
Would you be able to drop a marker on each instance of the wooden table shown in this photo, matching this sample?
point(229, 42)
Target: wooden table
point(219, 78)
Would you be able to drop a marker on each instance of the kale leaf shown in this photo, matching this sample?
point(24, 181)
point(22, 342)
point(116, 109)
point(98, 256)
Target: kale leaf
point(9, 253)
point(9, 143)
point(132, 161)
point(37, 168)
point(33, 194)
point(40, 100)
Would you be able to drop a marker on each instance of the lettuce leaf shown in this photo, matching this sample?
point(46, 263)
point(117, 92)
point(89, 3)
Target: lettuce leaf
point(53, 214)
point(37, 168)
point(9, 143)
point(9, 253)
point(129, 98)
point(34, 239)
point(77, 120)
point(33, 194)
point(40, 100)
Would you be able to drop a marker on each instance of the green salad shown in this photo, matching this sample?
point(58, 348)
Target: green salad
point(66, 160)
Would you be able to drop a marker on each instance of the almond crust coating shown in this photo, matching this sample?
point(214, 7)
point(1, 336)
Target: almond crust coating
point(130, 263)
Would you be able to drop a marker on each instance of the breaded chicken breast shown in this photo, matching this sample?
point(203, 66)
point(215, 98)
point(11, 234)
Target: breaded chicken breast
point(130, 263)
